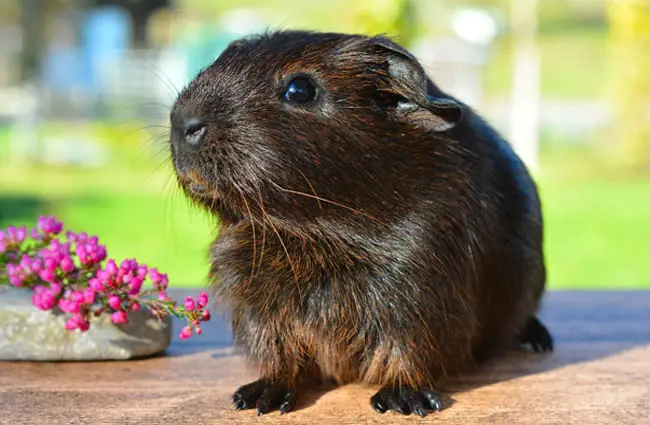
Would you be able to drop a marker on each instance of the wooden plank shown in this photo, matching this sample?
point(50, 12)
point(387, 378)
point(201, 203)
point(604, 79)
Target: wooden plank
point(599, 373)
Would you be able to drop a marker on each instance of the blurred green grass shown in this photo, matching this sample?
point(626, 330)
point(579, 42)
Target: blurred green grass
point(137, 211)
point(596, 221)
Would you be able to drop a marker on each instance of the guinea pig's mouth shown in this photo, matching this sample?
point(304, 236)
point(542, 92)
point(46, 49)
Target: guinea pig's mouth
point(200, 190)
point(197, 188)
point(195, 185)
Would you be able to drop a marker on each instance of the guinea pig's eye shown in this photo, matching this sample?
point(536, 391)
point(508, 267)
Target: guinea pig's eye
point(300, 90)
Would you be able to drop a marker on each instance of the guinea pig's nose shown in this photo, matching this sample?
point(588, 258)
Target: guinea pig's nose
point(193, 130)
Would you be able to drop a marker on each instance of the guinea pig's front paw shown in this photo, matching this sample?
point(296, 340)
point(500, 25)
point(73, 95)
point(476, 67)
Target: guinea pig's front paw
point(406, 400)
point(266, 396)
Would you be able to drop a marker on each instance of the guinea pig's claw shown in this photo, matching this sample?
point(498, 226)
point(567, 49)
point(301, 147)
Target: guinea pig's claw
point(537, 335)
point(378, 406)
point(288, 403)
point(246, 396)
point(406, 400)
point(265, 396)
point(420, 411)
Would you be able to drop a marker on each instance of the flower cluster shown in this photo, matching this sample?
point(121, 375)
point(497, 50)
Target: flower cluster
point(72, 274)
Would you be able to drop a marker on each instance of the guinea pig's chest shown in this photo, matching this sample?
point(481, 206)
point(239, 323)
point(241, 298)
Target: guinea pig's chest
point(313, 287)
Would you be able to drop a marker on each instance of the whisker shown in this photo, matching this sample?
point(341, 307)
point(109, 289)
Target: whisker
point(250, 216)
point(173, 90)
point(312, 189)
point(295, 192)
point(145, 127)
point(157, 104)
point(171, 194)
point(259, 263)
point(284, 247)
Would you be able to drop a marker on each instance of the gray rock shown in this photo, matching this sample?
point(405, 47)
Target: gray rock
point(27, 333)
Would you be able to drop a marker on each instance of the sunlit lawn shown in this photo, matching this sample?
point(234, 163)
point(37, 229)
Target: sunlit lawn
point(136, 213)
point(597, 227)
point(597, 222)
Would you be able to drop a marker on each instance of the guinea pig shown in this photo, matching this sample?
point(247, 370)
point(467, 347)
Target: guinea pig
point(373, 228)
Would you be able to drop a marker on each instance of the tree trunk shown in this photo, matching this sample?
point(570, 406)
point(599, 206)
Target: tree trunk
point(31, 21)
point(525, 91)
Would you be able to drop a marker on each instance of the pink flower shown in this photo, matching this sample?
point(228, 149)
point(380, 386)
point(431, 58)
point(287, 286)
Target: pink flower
point(202, 300)
point(159, 280)
point(34, 234)
point(206, 315)
point(78, 297)
point(104, 277)
point(89, 296)
point(100, 255)
point(135, 285)
point(66, 265)
point(77, 321)
point(84, 326)
point(43, 298)
point(96, 285)
point(47, 275)
point(12, 269)
point(82, 253)
point(142, 271)
point(36, 265)
point(120, 317)
point(15, 274)
point(49, 225)
point(56, 288)
point(47, 265)
point(154, 275)
point(50, 265)
point(26, 263)
point(69, 306)
point(111, 267)
point(128, 265)
point(115, 302)
point(12, 232)
point(21, 234)
point(189, 304)
point(71, 325)
point(186, 332)
point(47, 300)
point(54, 245)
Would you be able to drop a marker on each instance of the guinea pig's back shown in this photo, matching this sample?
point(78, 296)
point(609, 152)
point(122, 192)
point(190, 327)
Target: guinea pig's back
point(513, 264)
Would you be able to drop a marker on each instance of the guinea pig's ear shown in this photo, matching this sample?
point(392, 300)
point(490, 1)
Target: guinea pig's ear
point(409, 90)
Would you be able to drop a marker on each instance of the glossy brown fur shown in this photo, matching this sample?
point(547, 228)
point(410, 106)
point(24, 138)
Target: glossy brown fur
point(357, 241)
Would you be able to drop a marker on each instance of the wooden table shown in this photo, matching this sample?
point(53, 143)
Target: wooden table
point(599, 373)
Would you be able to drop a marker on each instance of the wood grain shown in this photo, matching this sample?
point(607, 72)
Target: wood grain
point(599, 373)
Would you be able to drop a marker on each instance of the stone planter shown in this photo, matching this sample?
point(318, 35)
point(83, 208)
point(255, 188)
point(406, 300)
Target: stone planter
point(27, 333)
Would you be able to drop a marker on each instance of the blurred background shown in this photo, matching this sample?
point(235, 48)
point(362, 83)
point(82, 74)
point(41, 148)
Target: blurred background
point(86, 87)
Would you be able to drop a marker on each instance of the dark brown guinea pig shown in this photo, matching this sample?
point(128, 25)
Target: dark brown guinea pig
point(373, 228)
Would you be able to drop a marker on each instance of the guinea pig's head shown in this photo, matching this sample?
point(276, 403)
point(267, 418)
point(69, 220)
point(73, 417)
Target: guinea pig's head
point(301, 126)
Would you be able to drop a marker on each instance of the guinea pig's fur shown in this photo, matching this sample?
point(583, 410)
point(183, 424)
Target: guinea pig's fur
point(380, 233)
